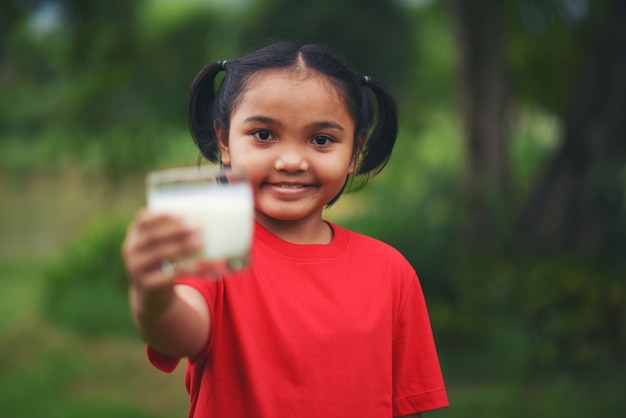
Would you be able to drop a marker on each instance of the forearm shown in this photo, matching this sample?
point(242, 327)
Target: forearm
point(173, 320)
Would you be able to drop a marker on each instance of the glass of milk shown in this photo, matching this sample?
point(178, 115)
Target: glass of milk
point(218, 201)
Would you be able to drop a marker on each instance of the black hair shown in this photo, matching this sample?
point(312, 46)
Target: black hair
point(376, 122)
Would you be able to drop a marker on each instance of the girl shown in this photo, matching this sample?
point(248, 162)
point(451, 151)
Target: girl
point(325, 322)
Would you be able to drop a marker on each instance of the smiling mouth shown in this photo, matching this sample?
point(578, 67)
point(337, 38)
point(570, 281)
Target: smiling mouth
point(289, 186)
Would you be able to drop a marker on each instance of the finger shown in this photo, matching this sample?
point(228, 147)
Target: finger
point(172, 245)
point(155, 257)
point(158, 278)
point(153, 238)
point(154, 230)
point(162, 228)
point(203, 267)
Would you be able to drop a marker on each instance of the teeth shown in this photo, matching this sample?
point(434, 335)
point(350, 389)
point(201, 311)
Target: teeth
point(290, 186)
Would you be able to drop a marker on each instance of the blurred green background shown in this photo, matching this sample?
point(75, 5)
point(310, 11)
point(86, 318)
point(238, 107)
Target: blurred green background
point(506, 190)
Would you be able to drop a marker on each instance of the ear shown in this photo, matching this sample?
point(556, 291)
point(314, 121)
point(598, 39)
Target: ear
point(222, 143)
point(352, 166)
point(360, 143)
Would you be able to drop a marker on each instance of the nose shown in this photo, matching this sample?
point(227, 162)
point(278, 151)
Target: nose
point(291, 159)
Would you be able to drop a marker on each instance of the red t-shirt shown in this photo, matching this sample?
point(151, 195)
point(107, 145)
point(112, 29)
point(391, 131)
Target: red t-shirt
point(315, 331)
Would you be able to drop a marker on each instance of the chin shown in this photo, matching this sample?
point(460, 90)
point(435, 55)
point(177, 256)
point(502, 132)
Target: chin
point(283, 215)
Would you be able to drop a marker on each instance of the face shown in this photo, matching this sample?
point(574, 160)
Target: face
point(293, 136)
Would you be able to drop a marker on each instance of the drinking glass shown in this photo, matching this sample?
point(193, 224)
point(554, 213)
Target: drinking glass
point(218, 201)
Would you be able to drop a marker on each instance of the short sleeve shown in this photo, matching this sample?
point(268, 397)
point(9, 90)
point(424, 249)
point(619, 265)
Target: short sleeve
point(162, 361)
point(418, 384)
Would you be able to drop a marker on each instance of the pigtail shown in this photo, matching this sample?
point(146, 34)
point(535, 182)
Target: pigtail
point(379, 145)
point(201, 113)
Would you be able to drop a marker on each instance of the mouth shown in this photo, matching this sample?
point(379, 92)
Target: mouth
point(289, 185)
point(289, 188)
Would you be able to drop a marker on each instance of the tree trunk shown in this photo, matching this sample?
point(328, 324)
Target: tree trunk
point(579, 202)
point(479, 34)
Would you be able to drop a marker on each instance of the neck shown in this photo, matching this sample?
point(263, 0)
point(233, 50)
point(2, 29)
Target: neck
point(308, 231)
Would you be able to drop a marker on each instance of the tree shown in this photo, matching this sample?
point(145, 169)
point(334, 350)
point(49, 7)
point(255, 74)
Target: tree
point(578, 201)
point(479, 32)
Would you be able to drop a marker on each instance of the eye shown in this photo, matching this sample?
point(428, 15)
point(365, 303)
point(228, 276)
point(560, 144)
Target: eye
point(321, 140)
point(263, 135)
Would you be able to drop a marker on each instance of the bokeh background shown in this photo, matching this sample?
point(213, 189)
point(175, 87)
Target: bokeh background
point(506, 191)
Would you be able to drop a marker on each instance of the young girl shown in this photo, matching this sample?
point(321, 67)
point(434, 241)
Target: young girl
point(325, 322)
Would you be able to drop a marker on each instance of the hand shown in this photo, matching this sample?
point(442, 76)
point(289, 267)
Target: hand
point(173, 319)
point(153, 242)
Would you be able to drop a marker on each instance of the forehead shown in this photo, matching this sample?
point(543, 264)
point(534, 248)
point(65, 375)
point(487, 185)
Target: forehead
point(292, 74)
point(294, 84)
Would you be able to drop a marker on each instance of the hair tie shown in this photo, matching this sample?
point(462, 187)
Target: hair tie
point(222, 65)
point(366, 80)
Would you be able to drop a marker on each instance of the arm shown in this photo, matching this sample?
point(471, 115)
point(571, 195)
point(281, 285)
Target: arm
point(179, 328)
point(174, 319)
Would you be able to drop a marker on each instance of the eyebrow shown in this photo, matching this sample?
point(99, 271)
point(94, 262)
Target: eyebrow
point(316, 125)
point(328, 125)
point(261, 119)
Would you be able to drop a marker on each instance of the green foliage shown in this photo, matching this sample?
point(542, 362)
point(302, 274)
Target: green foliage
point(604, 192)
point(433, 74)
point(108, 91)
point(576, 308)
point(536, 137)
point(548, 47)
point(374, 36)
point(556, 397)
point(557, 312)
point(86, 288)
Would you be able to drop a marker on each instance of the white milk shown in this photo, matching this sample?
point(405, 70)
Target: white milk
point(224, 212)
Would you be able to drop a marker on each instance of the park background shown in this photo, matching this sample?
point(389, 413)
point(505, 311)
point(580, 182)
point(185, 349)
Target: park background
point(506, 191)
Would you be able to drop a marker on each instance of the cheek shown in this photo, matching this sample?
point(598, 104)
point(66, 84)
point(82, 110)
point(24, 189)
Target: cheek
point(338, 164)
point(251, 163)
point(336, 172)
point(240, 155)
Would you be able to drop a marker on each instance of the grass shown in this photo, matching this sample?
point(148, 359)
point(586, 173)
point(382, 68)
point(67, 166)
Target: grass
point(21, 291)
point(70, 375)
point(48, 371)
point(75, 377)
point(480, 390)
